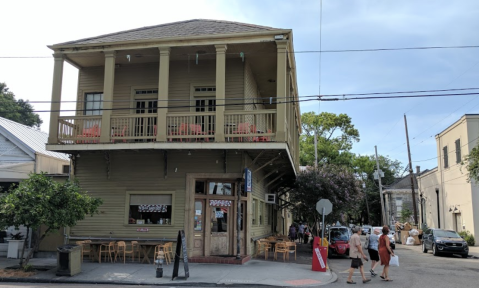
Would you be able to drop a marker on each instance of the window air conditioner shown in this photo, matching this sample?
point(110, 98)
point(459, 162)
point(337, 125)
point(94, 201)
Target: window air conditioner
point(270, 198)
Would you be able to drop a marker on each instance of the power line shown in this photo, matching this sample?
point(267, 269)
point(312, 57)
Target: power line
point(449, 151)
point(289, 52)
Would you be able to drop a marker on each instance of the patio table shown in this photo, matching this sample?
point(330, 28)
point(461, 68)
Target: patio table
point(146, 249)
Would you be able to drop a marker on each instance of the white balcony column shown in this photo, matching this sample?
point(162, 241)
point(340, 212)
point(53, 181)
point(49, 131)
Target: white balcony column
point(108, 85)
point(164, 75)
point(281, 89)
point(220, 92)
point(56, 97)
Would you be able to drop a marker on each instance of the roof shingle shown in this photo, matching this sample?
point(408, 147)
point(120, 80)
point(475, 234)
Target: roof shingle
point(194, 27)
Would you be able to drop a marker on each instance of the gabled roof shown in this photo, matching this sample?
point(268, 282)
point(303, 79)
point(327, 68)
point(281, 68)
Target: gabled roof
point(188, 28)
point(404, 183)
point(33, 140)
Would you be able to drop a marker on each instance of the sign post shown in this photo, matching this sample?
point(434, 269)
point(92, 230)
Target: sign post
point(324, 207)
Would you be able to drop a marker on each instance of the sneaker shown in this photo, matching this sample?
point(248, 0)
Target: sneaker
point(372, 273)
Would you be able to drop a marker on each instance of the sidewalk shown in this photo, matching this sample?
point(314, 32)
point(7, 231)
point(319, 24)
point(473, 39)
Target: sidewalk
point(253, 273)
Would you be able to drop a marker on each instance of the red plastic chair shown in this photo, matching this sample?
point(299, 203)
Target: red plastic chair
point(195, 129)
point(182, 130)
point(91, 132)
point(264, 138)
point(120, 134)
point(243, 128)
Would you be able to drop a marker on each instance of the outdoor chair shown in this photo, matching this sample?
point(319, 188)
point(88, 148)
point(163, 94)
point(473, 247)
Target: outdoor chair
point(120, 134)
point(195, 129)
point(135, 246)
point(109, 250)
point(280, 248)
point(243, 129)
point(264, 138)
point(262, 246)
point(291, 246)
point(182, 130)
point(122, 251)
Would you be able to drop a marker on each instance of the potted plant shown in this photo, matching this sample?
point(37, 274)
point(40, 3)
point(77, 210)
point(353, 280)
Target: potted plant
point(15, 243)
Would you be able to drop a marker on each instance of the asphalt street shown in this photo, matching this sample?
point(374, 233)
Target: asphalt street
point(416, 269)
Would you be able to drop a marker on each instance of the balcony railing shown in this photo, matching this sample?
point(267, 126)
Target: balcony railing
point(197, 126)
point(250, 126)
point(79, 129)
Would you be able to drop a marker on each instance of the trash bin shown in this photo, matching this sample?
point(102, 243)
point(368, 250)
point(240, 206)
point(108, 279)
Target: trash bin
point(68, 260)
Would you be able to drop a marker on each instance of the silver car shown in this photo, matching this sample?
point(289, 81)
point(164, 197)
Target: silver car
point(390, 235)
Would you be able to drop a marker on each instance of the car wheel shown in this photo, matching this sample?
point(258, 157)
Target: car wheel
point(434, 250)
point(424, 250)
point(464, 255)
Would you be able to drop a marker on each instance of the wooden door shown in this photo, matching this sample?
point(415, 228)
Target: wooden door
point(220, 230)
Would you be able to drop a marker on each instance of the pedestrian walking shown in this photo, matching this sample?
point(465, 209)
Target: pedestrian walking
point(385, 253)
point(372, 242)
point(356, 253)
point(292, 233)
point(300, 232)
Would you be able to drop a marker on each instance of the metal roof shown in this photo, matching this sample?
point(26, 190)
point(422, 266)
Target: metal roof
point(32, 138)
point(188, 28)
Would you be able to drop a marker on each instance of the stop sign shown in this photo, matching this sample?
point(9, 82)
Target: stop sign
point(326, 204)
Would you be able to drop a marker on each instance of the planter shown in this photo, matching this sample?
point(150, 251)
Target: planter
point(13, 248)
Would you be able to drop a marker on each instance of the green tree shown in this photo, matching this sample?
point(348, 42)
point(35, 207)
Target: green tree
point(336, 135)
point(39, 200)
point(471, 162)
point(17, 110)
point(336, 183)
point(364, 167)
point(405, 213)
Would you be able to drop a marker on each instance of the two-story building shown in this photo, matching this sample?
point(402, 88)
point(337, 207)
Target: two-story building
point(168, 118)
point(448, 200)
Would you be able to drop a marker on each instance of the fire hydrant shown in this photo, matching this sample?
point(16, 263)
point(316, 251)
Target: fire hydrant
point(159, 261)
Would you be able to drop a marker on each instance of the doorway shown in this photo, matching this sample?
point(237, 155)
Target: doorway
point(220, 230)
point(457, 222)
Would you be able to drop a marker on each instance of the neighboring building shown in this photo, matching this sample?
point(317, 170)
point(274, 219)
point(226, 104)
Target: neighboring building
point(448, 201)
point(22, 151)
point(398, 196)
point(168, 118)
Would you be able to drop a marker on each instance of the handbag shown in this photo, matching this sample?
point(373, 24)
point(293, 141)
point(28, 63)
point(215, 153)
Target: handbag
point(394, 261)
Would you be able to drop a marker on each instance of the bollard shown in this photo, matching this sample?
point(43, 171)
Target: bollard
point(159, 262)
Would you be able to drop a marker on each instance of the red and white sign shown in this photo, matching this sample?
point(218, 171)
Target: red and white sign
point(142, 230)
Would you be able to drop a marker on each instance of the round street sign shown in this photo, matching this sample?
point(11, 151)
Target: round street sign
point(326, 204)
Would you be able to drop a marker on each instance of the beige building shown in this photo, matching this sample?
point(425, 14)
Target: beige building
point(168, 119)
point(448, 201)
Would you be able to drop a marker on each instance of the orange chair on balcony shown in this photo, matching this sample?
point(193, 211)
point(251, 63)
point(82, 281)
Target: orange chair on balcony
point(182, 130)
point(243, 129)
point(120, 134)
point(92, 132)
point(195, 129)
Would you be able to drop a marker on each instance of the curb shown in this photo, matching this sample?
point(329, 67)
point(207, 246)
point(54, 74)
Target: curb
point(333, 279)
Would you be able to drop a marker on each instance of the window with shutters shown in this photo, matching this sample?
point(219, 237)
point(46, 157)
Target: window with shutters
point(444, 152)
point(458, 151)
point(150, 208)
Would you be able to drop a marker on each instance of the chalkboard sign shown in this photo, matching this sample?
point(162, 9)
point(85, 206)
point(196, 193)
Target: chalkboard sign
point(181, 243)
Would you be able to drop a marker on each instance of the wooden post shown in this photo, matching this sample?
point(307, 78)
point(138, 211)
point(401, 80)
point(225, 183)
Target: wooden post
point(56, 97)
point(108, 86)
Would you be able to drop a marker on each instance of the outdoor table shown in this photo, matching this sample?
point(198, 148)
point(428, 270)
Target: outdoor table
point(146, 249)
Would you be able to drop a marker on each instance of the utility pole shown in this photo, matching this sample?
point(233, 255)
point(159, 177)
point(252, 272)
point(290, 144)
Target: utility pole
point(383, 214)
point(411, 173)
point(315, 150)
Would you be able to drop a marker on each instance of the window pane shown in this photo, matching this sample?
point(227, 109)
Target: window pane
point(254, 212)
point(219, 219)
point(198, 223)
point(215, 188)
point(147, 199)
point(200, 187)
point(261, 204)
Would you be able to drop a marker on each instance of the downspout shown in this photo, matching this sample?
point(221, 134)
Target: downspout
point(65, 235)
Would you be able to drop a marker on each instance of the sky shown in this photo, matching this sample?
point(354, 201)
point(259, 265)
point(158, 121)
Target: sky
point(29, 26)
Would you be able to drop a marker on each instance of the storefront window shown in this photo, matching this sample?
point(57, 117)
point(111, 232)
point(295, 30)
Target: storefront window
point(219, 219)
point(261, 205)
point(255, 216)
point(218, 188)
point(150, 209)
point(200, 187)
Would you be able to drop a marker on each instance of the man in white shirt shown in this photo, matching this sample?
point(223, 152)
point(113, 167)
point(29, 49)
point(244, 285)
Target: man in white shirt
point(356, 253)
point(301, 232)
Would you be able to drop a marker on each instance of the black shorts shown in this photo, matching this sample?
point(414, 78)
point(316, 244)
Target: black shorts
point(356, 263)
point(373, 254)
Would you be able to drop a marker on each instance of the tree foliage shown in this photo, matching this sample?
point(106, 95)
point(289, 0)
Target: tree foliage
point(39, 200)
point(336, 183)
point(335, 133)
point(471, 162)
point(17, 110)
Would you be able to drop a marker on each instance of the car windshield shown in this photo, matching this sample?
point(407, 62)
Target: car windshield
point(443, 233)
point(339, 234)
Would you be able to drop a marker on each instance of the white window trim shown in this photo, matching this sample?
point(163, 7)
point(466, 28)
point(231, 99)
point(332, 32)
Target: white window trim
point(127, 207)
point(202, 95)
point(144, 96)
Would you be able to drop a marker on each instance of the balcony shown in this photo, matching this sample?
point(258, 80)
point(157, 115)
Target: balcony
point(239, 126)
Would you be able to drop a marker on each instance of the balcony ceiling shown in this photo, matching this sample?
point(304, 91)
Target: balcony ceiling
point(260, 56)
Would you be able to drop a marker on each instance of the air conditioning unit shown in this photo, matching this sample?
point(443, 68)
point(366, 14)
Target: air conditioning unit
point(270, 198)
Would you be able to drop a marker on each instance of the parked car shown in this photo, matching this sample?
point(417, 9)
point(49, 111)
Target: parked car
point(391, 234)
point(366, 229)
point(444, 241)
point(338, 238)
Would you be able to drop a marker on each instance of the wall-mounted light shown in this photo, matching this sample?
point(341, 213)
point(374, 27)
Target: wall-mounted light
point(176, 169)
point(78, 155)
point(278, 37)
point(189, 152)
point(455, 209)
point(450, 209)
